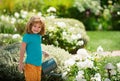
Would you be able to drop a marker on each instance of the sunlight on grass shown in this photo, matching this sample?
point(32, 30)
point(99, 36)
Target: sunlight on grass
point(109, 40)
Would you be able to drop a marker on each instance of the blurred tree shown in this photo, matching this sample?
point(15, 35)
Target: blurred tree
point(6, 6)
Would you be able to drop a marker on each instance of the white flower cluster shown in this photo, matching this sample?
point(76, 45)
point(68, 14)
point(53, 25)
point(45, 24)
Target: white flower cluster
point(83, 61)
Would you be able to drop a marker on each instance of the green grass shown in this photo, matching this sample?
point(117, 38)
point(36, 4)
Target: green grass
point(109, 40)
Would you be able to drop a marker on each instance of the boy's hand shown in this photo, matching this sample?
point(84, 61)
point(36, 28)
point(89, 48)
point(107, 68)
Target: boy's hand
point(45, 54)
point(21, 67)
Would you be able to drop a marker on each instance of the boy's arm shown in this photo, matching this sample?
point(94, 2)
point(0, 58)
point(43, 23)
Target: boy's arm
point(22, 52)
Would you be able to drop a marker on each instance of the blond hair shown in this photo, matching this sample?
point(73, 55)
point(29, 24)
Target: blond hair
point(35, 19)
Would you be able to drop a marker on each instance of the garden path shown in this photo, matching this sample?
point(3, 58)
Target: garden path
point(112, 53)
point(115, 53)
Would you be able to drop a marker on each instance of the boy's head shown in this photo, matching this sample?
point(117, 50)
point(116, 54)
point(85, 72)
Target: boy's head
point(35, 20)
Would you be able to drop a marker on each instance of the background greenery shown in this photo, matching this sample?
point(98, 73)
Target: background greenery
point(101, 19)
point(95, 14)
point(109, 40)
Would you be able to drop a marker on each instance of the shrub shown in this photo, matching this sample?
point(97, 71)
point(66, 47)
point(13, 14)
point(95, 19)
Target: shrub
point(86, 66)
point(9, 39)
point(9, 62)
point(68, 34)
point(7, 28)
point(9, 57)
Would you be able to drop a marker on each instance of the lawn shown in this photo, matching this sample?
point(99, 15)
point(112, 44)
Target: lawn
point(109, 40)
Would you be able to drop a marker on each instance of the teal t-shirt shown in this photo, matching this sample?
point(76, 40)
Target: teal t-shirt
point(33, 49)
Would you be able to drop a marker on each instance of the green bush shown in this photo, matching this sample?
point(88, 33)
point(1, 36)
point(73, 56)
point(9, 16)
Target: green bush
point(68, 34)
point(7, 28)
point(9, 62)
point(9, 58)
point(9, 39)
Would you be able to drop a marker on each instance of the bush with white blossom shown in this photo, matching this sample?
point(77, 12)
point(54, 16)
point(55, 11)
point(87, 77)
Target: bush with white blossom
point(68, 34)
point(9, 39)
point(85, 67)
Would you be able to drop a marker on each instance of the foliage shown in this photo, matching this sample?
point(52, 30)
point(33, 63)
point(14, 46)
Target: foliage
point(6, 27)
point(90, 12)
point(9, 58)
point(61, 6)
point(9, 39)
point(59, 32)
point(6, 6)
point(9, 62)
point(93, 5)
point(68, 34)
point(10, 7)
point(91, 67)
point(28, 5)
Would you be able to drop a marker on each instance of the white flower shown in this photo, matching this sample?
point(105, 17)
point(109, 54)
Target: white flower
point(51, 9)
point(107, 79)
point(118, 67)
point(5, 35)
point(61, 24)
point(39, 14)
point(98, 77)
point(34, 10)
point(52, 17)
point(16, 15)
point(80, 76)
point(15, 36)
point(89, 63)
point(64, 74)
point(69, 62)
point(77, 57)
point(71, 29)
point(5, 18)
point(74, 37)
point(80, 72)
point(80, 43)
point(79, 36)
point(118, 12)
point(51, 28)
point(64, 33)
point(100, 49)
point(24, 14)
point(2, 17)
point(83, 53)
point(85, 64)
point(13, 20)
point(113, 72)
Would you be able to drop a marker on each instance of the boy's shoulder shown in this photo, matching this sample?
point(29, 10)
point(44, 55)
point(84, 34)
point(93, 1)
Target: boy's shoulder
point(26, 35)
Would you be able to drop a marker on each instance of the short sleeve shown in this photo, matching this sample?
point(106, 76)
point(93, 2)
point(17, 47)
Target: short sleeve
point(25, 38)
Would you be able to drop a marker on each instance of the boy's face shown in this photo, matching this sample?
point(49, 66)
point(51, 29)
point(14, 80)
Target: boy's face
point(36, 28)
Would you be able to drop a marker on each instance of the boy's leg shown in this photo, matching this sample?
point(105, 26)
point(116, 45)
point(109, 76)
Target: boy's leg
point(32, 73)
point(39, 69)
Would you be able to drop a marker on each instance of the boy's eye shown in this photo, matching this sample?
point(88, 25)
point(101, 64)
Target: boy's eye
point(34, 26)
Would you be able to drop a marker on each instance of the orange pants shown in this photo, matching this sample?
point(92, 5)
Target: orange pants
point(32, 73)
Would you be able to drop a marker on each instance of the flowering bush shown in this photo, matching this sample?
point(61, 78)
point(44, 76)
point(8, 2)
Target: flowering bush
point(81, 67)
point(9, 39)
point(9, 58)
point(85, 67)
point(68, 34)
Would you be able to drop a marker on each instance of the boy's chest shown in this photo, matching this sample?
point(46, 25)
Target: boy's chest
point(35, 40)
